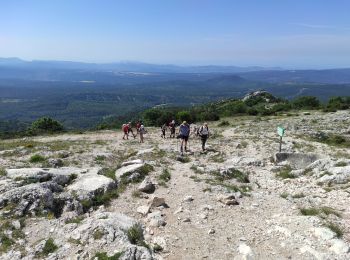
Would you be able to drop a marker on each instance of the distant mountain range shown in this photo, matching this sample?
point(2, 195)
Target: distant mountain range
point(138, 72)
point(123, 67)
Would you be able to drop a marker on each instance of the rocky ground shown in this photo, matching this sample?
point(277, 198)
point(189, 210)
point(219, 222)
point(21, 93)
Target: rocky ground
point(94, 195)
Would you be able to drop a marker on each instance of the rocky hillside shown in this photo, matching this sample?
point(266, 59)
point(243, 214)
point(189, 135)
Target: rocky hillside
point(96, 196)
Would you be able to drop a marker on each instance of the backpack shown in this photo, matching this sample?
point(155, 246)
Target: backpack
point(125, 127)
point(201, 129)
point(142, 129)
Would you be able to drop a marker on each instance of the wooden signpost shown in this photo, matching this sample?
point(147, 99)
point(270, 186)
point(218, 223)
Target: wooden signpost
point(280, 131)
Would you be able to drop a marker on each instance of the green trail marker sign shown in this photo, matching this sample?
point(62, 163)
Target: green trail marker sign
point(280, 131)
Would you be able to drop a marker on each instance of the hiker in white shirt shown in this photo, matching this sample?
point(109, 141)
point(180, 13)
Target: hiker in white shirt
point(204, 134)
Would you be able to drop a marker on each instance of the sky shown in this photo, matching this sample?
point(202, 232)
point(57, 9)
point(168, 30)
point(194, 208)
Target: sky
point(284, 33)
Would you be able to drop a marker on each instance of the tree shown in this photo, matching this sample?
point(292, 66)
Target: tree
point(45, 125)
point(306, 102)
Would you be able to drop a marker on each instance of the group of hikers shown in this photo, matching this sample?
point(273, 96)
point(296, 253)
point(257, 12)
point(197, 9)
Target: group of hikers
point(183, 134)
point(140, 130)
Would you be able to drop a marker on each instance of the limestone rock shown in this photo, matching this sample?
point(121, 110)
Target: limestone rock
point(136, 253)
point(147, 186)
point(156, 202)
point(144, 210)
point(227, 199)
point(156, 219)
point(137, 161)
point(127, 170)
point(339, 246)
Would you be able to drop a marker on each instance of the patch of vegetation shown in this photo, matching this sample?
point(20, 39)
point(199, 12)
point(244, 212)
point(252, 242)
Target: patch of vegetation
point(284, 195)
point(74, 241)
point(3, 172)
point(195, 169)
point(285, 173)
point(108, 172)
point(76, 220)
point(36, 158)
point(224, 123)
point(319, 211)
point(332, 139)
point(165, 175)
point(183, 159)
point(100, 158)
point(72, 177)
point(45, 125)
point(6, 243)
point(157, 248)
point(218, 158)
point(298, 196)
point(309, 211)
point(136, 194)
point(335, 228)
point(207, 189)
point(135, 236)
point(341, 164)
point(100, 199)
point(145, 170)
point(195, 178)
point(330, 211)
point(98, 234)
point(244, 144)
point(232, 174)
point(49, 247)
point(230, 187)
point(104, 256)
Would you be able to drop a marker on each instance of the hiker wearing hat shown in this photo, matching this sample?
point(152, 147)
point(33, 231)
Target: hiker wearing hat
point(142, 131)
point(204, 134)
point(184, 133)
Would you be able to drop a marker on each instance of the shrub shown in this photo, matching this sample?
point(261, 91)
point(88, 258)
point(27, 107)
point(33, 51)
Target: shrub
point(104, 256)
point(135, 235)
point(184, 116)
point(2, 172)
point(285, 173)
point(165, 175)
point(336, 229)
point(98, 234)
point(309, 211)
point(45, 125)
point(306, 102)
point(36, 158)
point(49, 247)
point(6, 243)
point(224, 123)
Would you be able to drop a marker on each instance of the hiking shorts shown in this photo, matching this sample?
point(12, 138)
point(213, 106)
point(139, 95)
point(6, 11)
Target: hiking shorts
point(184, 137)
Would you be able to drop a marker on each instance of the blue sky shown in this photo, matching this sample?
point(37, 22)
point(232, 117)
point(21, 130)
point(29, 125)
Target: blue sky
point(298, 33)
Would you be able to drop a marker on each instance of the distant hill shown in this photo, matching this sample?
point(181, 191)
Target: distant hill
point(330, 76)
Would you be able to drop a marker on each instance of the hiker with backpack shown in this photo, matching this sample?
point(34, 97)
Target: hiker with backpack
point(172, 129)
point(184, 133)
point(125, 129)
point(142, 131)
point(130, 130)
point(138, 125)
point(204, 134)
point(163, 128)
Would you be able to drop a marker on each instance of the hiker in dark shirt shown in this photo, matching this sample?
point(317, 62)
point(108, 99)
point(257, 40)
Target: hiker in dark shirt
point(130, 130)
point(184, 133)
